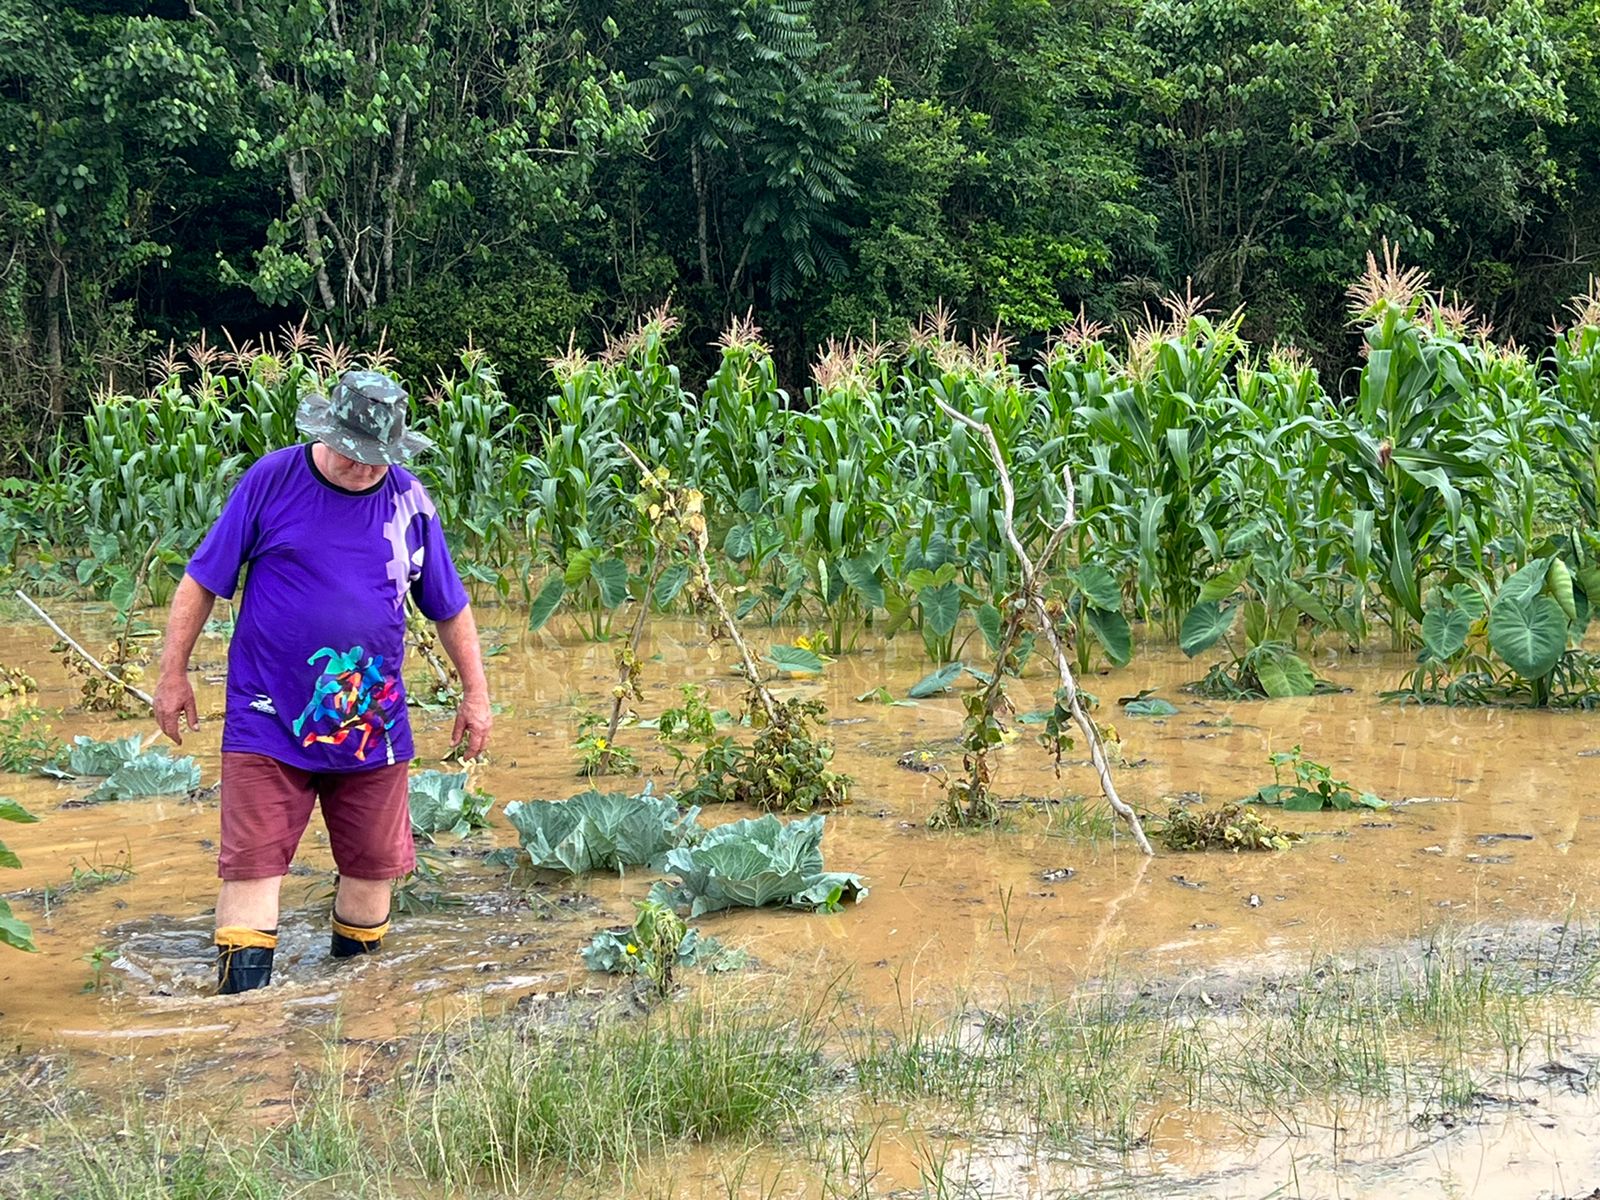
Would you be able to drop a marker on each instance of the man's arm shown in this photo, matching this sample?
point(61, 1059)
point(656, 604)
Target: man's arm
point(459, 636)
point(191, 605)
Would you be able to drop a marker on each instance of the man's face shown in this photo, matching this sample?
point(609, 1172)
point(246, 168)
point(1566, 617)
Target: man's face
point(349, 473)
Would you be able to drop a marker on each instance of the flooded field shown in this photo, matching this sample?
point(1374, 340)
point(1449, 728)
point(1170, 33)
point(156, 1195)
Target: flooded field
point(1488, 849)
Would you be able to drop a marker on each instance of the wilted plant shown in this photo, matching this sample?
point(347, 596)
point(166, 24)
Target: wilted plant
point(1231, 827)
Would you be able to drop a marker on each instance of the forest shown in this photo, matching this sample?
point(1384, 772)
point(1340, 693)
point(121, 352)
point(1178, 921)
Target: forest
point(424, 173)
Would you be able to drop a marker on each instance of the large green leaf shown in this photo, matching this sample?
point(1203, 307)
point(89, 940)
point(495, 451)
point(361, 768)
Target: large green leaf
point(1444, 632)
point(1226, 582)
point(1112, 631)
point(1526, 583)
point(941, 608)
point(611, 577)
point(548, 600)
point(131, 773)
point(988, 618)
point(1205, 626)
point(862, 576)
point(1529, 632)
point(935, 682)
point(670, 583)
point(14, 933)
point(600, 831)
point(441, 802)
point(1558, 583)
point(10, 810)
point(1284, 673)
point(795, 660)
point(155, 773)
point(754, 863)
point(1150, 706)
point(86, 756)
point(740, 542)
point(1099, 586)
point(579, 566)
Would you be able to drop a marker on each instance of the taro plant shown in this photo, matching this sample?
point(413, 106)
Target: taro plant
point(1267, 665)
point(1519, 646)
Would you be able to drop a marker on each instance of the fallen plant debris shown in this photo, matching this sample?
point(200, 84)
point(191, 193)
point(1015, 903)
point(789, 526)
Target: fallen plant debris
point(1231, 827)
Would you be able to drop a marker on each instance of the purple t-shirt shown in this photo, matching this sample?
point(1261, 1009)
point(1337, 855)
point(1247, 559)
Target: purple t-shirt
point(314, 674)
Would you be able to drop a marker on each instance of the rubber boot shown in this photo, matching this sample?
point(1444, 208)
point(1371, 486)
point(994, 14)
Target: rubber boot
point(244, 958)
point(350, 940)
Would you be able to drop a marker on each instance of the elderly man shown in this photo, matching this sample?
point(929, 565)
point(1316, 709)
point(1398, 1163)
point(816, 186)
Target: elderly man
point(336, 533)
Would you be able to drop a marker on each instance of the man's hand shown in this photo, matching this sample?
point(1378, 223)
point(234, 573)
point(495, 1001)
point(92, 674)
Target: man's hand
point(473, 722)
point(174, 701)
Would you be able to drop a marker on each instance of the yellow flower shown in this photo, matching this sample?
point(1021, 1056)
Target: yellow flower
point(599, 743)
point(632, 949)
point(803, 642)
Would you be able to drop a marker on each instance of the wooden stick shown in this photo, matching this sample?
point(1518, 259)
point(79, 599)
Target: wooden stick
point(87, 657)
point(1032, 596)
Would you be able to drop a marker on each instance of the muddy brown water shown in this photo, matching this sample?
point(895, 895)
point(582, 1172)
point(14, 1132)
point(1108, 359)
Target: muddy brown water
point(1494, 821)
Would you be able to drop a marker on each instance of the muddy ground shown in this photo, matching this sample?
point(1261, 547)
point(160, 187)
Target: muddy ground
point(1492, 830)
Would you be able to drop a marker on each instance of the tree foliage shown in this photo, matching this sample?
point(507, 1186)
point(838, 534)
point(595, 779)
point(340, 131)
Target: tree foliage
point(505, 170)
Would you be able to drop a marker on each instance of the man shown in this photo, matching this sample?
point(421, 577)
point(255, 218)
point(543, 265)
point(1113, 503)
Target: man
point(336, 534)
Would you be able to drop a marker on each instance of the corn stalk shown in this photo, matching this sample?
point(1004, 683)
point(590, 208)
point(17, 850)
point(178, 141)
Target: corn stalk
point(1030, 596)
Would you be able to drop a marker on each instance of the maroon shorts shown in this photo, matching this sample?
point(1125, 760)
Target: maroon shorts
point(266, 806)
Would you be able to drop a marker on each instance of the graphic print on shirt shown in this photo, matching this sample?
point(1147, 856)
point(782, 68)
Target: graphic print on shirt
point(405, 563)
point(351, 699)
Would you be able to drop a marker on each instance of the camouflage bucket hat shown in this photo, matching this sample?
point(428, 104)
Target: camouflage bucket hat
point(364, 418)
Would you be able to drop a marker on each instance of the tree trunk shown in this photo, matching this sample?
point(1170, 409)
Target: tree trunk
point(54, 285)
point(308, 223)
point(702, 216)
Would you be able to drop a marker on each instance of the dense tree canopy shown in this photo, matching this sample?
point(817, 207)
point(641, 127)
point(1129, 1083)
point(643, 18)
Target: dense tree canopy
point(505, 170)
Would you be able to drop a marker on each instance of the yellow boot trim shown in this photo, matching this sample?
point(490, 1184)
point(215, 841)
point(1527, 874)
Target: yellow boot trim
point(238, 937)
point(360, 933)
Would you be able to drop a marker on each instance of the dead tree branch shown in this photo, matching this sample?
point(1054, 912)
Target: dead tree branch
point(1031, 595)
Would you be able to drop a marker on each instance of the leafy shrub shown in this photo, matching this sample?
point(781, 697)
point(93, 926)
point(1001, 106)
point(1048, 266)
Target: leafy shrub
point(1314, 787)
point(600, 831)
point(131, 772)
point(787, 768)
point(26, 743)
point(444, 802)
point(754, 863)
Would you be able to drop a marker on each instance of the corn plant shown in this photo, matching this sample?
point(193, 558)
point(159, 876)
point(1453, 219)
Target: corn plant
point(1409, 449)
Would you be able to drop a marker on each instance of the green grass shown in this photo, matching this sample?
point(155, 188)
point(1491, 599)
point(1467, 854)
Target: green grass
point(802, 1087)
point(505, 1104)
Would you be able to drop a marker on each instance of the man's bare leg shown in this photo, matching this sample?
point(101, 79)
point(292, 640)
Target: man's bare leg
point(251, 903)
point(363, 901)
point(360, 916)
